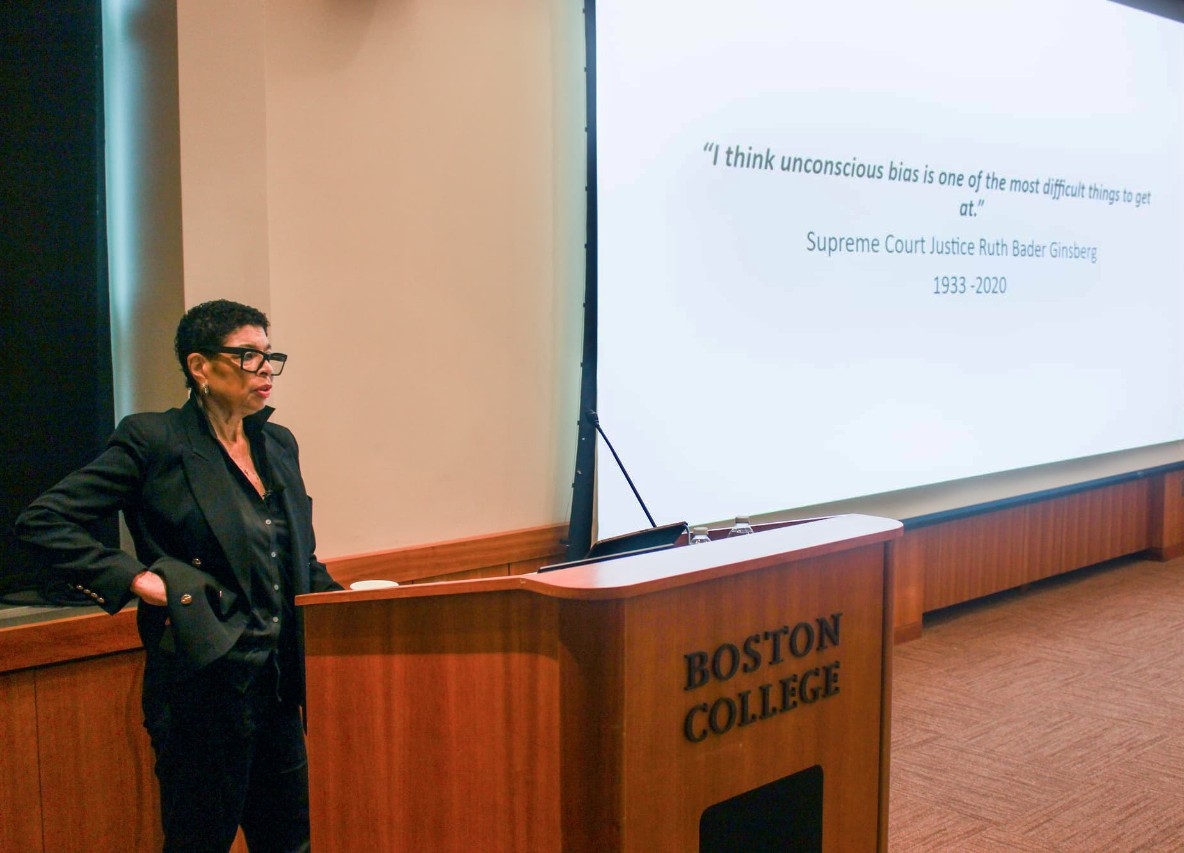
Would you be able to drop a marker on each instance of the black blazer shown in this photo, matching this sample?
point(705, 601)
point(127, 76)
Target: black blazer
point(167, 475)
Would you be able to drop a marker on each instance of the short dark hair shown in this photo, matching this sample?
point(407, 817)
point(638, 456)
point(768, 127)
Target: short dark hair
point(206, 327)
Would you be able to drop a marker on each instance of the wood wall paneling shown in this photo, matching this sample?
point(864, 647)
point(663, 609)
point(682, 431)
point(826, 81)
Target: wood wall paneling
point(968, 558)
point(906, 556)
point(20, 788)
point(974, 556)
point(98, 791)
point(1101, 524)
point(1167, 515)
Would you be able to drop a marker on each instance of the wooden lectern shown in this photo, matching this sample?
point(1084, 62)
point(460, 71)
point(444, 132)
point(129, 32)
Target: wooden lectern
point(732, 695)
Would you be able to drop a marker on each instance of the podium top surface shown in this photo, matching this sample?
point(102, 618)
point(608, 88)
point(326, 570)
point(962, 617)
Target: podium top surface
point(644, 573)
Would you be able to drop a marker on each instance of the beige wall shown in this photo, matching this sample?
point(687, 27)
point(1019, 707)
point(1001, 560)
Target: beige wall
point(399, 183)
point(222, 102)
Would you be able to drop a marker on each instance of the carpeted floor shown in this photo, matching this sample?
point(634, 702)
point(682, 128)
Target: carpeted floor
point(1045, 719)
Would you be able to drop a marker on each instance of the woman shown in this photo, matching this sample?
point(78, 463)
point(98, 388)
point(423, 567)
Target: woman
point(216, 506)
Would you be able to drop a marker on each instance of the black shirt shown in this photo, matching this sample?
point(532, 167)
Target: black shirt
point(270, 633)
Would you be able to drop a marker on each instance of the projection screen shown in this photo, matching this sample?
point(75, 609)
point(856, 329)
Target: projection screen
point(863, 248)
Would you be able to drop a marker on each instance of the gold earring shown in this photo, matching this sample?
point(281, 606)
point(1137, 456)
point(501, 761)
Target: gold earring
point(205, 388)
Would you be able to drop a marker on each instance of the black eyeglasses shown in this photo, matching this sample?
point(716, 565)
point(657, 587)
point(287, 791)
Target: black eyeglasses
point(252, 360)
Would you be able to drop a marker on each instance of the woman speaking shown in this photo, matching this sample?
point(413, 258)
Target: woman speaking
point(222, 526)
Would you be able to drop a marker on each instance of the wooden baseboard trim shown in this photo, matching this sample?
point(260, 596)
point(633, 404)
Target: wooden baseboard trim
point(906, 633)
point(1164, 555)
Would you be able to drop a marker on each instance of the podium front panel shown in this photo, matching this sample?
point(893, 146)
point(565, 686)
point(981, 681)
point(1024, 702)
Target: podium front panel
point(735, 683)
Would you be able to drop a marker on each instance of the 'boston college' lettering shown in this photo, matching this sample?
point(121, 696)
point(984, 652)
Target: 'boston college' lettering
point(762, 650)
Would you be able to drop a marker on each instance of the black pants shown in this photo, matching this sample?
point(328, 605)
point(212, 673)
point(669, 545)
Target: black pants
point(229, 753)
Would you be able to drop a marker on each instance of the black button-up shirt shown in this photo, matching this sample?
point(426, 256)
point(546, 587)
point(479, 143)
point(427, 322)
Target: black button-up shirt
point(271, 630)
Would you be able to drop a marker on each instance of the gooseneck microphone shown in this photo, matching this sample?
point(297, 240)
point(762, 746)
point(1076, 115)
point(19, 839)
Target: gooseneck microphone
point(596, 423)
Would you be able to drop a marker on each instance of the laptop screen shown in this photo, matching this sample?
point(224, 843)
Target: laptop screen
point(639, 541)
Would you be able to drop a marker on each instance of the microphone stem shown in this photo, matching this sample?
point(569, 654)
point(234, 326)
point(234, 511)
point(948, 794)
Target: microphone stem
point(628, 479)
